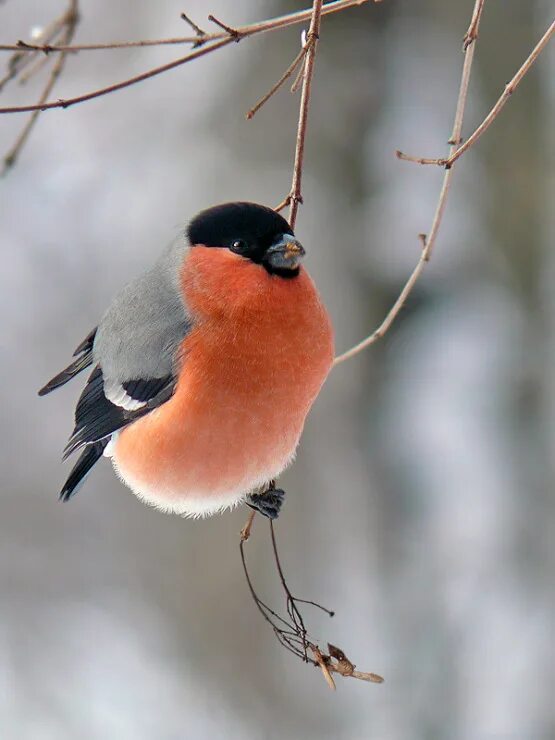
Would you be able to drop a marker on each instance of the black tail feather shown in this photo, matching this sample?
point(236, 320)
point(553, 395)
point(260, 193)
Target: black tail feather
point(66, 375)
point(87, 343)
point(90, 455)
point(84, 350)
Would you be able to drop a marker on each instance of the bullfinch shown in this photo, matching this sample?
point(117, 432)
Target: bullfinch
point(205, 368)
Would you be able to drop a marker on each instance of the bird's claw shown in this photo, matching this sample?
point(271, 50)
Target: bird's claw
point(268, 503)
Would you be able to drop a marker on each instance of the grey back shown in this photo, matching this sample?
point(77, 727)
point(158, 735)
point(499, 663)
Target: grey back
point(140, 332)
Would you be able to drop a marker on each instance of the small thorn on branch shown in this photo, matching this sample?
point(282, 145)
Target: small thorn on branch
point(419, 160)
point(32, 47)
point(229, 29)
point(197, 29)
point(291, 198)
point(472, 34)
point(469, 38)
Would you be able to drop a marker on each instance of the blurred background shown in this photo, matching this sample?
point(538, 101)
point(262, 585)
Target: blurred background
point(421, 506)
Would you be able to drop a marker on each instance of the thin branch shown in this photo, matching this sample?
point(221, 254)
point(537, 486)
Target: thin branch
point(428, 241)
point(20, 60)
point(456, 151)
point(510, 87)
point(284, 203)
point(297, 81)
point(37, 64)
point(221, 41)
point(418, 160)
point(270, 616)
point(292, 610)
point(66, 103)
point(295, 195)
point(273, 90)
point(246, 531)
point(291, 633)
point(25, 46)
point(69, 22)
point(200, 33)
point(249, 30)
point(472, 34)
point(228, 29)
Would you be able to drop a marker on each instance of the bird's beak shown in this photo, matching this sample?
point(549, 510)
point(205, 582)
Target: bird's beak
point(285, 254)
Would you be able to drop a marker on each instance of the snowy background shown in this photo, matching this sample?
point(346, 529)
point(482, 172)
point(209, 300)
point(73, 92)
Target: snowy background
point(421, 506)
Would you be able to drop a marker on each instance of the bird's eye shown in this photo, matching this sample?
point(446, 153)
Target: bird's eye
point(240, 246)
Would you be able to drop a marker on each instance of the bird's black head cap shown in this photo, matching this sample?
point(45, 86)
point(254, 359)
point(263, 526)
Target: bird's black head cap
point(248, 229)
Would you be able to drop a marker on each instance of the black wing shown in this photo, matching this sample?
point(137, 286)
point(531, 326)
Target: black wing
point(134, 354)
point(97, 418)
point(83, 355)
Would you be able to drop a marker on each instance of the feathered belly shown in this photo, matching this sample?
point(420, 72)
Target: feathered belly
point(203, 464)
point(235, 419)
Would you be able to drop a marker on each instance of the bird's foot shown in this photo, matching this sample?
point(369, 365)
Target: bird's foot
point(268, 503)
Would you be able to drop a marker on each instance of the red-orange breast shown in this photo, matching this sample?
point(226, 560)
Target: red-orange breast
point(251, 369)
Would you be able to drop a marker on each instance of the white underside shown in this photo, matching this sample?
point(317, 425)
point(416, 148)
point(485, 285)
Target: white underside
point(199, 504)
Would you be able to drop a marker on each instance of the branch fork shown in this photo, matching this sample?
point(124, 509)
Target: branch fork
point(291, 631)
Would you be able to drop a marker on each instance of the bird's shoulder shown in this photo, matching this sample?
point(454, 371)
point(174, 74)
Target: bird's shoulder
point(136, 352)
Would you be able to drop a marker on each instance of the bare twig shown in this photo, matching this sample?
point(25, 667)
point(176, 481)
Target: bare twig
point(20, 59)
point(429, 240)
point(290, 19)
point(456, 151)
point(237, 35)
point(295, 195)
point(284, 203)
point(66, 103)
point(510, 87)
point(472, 34)
point(25, 47)
point(246, 531)
point(292, 610)
point(417, 160)
point(291, 631)
point(218, 41)
point(201, 35)
point(283, 631)
point(68, 22)
point(38, 63)
point(285, 76)
point(297, 81)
